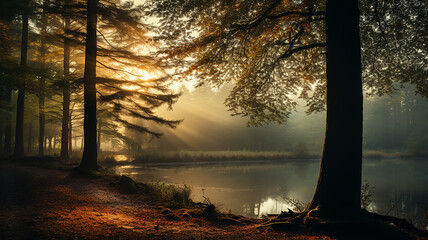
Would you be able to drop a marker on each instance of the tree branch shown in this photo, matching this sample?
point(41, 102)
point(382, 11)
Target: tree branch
point(298, 49)
point(303, 14)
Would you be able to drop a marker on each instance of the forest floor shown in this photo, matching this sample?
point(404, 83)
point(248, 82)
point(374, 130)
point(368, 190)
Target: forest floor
point(44, 203)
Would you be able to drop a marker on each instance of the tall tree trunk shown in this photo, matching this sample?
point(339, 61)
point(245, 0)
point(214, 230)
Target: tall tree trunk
point(7, 150)
point(89, 159)
point(41, 118)
point(1, 138)
point(339, 185)
point(30, 138)
point(19, 133)
point(99, 135)
point(70, 140)
point(42, 86)
point(66, 94)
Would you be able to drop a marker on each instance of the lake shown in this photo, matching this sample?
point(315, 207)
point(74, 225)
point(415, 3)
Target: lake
point(254, 188)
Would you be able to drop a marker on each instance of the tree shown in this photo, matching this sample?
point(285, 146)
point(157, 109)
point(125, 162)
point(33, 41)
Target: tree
point(6, 67)
point(89, 158)
point(124, 82)
point(66, 38)
point(274, 49)
point(42, 82)
point(19, 133)
point(65, 131)
point(339, 185)
point(123, 32)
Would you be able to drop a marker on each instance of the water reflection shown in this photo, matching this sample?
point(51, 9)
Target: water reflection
point(257, 188)
point(276, 205)
point(121, 158)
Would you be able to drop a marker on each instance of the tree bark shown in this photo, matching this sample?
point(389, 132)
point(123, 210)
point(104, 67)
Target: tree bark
point(1, 138)
point(66, 95)
point(41, 118)
point(7, 139)
point(70, 140)
point(89, 159)
point(19, 133)
point(99, 135)
point(42, 87)
point(7, 149)
point(30, 138)
point(338, 191)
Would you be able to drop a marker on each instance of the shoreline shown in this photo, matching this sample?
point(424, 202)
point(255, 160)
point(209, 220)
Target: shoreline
point(54, 202)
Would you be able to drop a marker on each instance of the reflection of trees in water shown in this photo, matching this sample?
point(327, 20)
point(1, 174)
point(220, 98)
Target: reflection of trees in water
point(407, 206)
point(401, 205)
point(267, 206)
point(255, 189)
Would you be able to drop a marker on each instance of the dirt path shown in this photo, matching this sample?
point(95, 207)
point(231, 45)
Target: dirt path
point(38, 203)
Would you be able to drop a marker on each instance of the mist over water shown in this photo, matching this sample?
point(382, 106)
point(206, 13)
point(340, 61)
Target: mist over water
point(393, 123)
point(258, 188)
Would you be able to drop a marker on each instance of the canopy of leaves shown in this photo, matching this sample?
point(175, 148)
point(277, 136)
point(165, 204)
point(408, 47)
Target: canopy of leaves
point(394, 47)
point(273, 50)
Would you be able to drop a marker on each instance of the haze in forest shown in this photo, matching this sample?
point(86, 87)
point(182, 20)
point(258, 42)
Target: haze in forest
point(391, 124)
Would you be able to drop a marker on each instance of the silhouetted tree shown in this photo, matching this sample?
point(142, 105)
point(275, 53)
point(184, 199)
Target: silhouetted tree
point(19, 127)
point(42, 80)
point(65, 130)
point(6, 66)
point(124, 91)
point(89, 159)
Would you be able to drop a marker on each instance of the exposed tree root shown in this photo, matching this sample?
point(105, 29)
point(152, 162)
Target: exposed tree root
point(367, 226)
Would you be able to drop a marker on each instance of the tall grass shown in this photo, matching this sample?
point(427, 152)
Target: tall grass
point(208, 156)
point(187, 156)
point(376, 154)
point(175, 195)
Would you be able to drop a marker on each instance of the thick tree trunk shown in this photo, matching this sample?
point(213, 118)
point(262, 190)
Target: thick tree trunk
point(19, 133)
point(66, 96)
point(89, 159)
point(339, 185)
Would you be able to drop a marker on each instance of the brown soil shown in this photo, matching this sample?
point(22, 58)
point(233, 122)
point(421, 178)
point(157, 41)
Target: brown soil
point(40, 203)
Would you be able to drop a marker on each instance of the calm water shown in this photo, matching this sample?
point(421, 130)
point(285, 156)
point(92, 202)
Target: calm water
point(400, 187)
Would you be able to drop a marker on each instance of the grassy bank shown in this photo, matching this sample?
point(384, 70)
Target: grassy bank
point(186, 156)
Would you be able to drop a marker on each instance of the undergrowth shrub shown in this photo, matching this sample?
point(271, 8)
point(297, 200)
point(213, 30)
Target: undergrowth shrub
point(175, 195)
